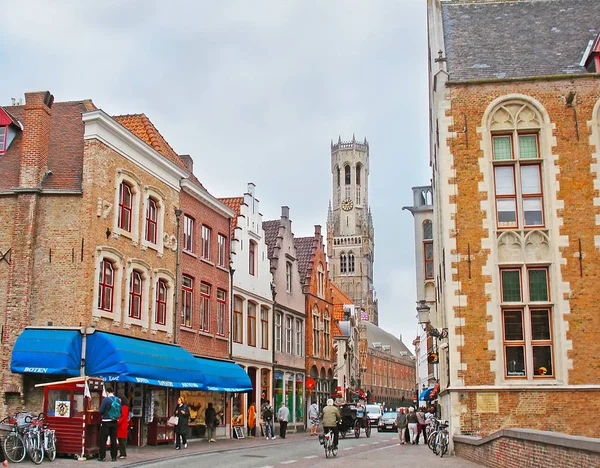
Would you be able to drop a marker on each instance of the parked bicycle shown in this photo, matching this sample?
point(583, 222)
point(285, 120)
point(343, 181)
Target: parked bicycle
point(14, 444)
point(28, 436)
point(439, 439)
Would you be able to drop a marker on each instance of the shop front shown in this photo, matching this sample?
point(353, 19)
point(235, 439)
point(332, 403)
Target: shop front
point(258, 392)
point(150, 375)
point(289, 388)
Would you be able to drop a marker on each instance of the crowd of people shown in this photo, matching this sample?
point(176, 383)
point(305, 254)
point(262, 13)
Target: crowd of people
point(414, 423)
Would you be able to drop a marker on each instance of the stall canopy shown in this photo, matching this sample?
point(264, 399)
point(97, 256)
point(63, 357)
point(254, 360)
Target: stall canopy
point(46, 351)
point(121, 359)
point(220, 376)
point(425, 394)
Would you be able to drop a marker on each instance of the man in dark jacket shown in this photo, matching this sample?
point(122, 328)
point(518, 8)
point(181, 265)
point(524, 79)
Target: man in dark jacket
point(210, 419)
point(108, 428)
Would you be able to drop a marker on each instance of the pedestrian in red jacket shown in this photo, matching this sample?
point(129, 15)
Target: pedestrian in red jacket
point(123, 426)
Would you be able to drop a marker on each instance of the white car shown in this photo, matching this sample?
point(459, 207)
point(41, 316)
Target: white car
point(374, 413)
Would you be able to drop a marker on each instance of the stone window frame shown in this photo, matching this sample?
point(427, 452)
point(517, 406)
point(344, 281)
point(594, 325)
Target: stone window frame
point(144, 269)
point(115, 257)
point(162, 274)
point(159, 199)
point(134, 183)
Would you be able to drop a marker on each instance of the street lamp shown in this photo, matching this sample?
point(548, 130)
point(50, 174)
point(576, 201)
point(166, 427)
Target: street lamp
point(424, 317)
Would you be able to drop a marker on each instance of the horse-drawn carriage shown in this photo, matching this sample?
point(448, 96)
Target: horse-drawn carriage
point(353, 420)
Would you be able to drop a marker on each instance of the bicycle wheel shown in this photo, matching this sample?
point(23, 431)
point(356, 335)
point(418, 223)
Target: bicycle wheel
point(431, 439)
point(368, 430)
point(50, 445)
point(443, 448)
point(327, 449)
point(334, 451)
point(357, 429)
point(14, 447)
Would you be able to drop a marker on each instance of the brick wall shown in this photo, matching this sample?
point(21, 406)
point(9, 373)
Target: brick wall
point(529, 449)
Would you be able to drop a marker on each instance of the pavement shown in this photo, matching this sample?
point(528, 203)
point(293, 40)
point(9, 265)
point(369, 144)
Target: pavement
point(165, 454)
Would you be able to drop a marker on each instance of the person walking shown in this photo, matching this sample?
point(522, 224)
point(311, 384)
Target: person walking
point(181, 429)
point(421, 425)
point(413, 424)
point(267, 414)
point(251, 420)
point(110, 409)
point(401, 423)
point(313, 417)
point(283, 415)
point(2, 456)
point(210, 419)
point(331, 416)
point(123, 426)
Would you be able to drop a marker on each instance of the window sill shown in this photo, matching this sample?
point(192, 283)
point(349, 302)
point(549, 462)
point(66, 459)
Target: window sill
point(222, 338)
point(207, 261)
point(191, 254)
point(187, 329)
point(205, 333)
point(222, 268)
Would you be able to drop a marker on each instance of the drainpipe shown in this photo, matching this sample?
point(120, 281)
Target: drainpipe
point(178, 214)
point(273, 347)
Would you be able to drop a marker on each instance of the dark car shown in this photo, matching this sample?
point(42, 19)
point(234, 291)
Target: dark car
point(387, 422)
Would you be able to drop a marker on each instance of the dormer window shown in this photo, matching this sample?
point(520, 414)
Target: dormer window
point(3, 135)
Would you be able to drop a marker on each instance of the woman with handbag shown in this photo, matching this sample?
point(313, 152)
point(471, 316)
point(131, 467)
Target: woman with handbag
point(123, 426)
point(181, 428)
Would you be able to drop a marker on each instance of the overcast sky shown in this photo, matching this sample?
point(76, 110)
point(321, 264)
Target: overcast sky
point(254, 91)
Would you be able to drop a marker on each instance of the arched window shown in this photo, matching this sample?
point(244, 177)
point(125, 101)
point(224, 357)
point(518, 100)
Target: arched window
point(160, 309)
point(343, 263)
point(151, 221)
point(350, 262)
point(337, 168)
point(106, 283)
point(347, 174)
point(135, 295)
point(125, 207)
point(358, 171)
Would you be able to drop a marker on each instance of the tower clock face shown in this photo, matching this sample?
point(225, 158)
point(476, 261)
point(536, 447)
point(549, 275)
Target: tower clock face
point(347, 204)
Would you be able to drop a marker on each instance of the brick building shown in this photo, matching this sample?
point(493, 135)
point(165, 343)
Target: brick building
point(289, 313)
point(515, 132)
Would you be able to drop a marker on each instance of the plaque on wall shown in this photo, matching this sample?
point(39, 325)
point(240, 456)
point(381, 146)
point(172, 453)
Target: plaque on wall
point(487, 402)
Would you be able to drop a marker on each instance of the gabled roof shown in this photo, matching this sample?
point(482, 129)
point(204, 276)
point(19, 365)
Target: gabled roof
point(339, 299)
point(7, 119)
point(235, 203)
point(512, 39)
point(378, 335)
point(271, 229)
point(304, 249)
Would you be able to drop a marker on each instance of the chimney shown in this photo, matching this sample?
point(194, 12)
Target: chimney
point(188, 161)
point(285, 212)
point(251, 188)
point(37, 122)
point(317, 229)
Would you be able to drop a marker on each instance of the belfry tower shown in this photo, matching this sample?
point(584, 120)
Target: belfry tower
point(350, 233)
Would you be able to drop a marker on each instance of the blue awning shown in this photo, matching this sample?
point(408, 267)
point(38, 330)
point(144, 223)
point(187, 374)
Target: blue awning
point(47, 351)
point(221, 376)
point(121, 359)
point(425, 394)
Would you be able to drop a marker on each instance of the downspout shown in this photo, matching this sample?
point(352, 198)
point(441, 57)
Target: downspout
point(178, 214)
point(231, 272)
point(274, 293)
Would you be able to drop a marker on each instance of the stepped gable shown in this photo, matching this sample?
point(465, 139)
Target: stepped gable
point(304, 249)
point(65, 147)
point(558, 32)
point(271, 229)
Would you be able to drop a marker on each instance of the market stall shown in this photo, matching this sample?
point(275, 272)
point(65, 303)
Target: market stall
point(71, 409)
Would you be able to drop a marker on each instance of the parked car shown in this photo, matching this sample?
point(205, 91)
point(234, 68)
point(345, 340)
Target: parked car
point(387, 422)
point(374, 413)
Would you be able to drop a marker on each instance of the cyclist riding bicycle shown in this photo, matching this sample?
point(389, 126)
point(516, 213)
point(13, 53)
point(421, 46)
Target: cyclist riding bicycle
point(331, 416)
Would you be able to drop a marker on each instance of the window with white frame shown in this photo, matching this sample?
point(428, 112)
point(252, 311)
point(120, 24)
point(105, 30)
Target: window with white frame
point(278, 324)
point(135, 295)
point(206, 233)
point(527, 322)
point(204, 307)
point(221, 311)
point(299, 337)
point(188, 233)
point(288, 277)
point(151, 221)
point(160, 307)
point(288, 335)
point(106, 284)
point(187, 300)
point(125, 207)
point(316, 332)
point(264, 327)
point(222, 260)
point(3, 138)
point(518, 183)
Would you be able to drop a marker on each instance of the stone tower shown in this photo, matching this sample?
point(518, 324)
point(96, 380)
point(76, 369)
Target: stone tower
point(350, 234)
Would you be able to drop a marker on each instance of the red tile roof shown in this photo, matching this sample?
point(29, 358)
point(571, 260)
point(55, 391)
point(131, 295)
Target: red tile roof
point(235, 204)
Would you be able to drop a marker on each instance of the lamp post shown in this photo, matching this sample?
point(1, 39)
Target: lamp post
point(424, 318)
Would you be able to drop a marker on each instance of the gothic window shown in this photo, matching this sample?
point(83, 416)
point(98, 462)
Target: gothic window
point(347, 174)
point(350, 262)
point(337, 169)
point(517, 166)
point(343, 263)
point(358, 171)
